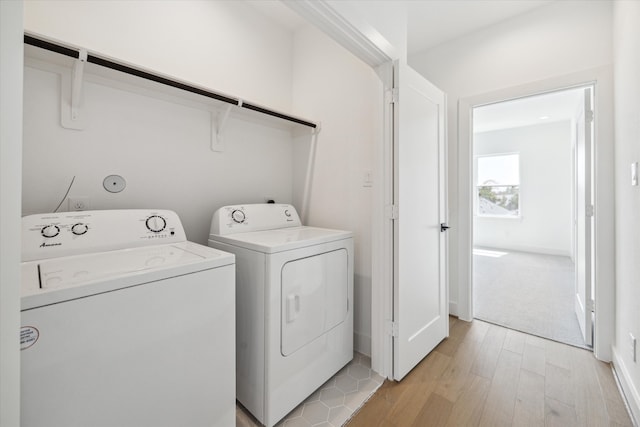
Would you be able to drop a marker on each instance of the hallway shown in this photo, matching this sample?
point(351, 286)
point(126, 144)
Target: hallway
point(487, 375)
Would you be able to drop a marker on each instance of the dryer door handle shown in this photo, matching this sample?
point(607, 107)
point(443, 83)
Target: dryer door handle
point(293, 307)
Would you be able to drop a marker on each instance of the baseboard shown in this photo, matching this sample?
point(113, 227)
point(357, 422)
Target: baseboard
point(453, 308)
point(629, 389)
point(529, 249)
point(362, 343)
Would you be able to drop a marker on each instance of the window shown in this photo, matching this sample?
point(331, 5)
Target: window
point(498, 185)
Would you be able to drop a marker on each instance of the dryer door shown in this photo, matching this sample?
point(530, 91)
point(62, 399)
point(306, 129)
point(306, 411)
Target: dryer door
point(314, 298)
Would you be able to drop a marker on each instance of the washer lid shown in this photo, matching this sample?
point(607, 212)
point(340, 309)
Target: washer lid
point(282, 239)
point(59, 279)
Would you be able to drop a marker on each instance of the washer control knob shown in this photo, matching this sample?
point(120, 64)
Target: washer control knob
point(79, 229)
point(49, 231)
point(238, 216)
point(156, 223)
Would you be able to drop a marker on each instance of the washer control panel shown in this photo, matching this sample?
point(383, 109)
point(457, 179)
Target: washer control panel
point(74, 233)
point(253, 217)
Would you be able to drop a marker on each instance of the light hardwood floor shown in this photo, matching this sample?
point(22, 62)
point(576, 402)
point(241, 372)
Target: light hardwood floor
point(487, 375)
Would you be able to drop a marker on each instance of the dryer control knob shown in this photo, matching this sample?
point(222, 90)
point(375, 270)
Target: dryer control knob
point(79, 229)
point(50, 231)
point(238, 216)
point(156, 223)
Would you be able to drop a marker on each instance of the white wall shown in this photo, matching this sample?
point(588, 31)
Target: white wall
point(626, 37)
point(341, 92)
point(547, 43)
point(160, 148)
point(560, 38)
point(10, 169)
point(222, 45)
point(545, 221)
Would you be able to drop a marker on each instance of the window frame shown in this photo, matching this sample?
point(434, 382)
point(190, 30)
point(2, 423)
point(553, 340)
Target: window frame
point(477, 186)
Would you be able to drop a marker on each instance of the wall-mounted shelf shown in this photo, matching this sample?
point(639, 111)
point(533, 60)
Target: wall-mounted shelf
point(83, 63)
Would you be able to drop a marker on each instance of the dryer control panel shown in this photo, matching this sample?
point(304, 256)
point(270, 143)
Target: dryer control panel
point(253, 217)
point(74, 233)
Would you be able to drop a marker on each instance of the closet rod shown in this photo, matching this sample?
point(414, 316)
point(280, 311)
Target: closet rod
point(43, 44)
point(276, 114)
point(158, 79)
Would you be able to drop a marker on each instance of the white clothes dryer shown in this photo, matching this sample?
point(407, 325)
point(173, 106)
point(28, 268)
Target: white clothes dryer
point(124, 323)
point(294, 304)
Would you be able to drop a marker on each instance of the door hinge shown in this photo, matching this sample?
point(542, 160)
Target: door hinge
point(589, 210)
point(391, 96)
point(392, 328)
point(589, 116)
point(391, 211)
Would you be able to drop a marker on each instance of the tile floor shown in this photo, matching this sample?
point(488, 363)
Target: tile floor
point(333, 403)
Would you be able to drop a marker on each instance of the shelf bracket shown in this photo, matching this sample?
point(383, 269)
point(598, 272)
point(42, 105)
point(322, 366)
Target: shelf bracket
point(218, 123)
point(71, 115)
point(76, 84)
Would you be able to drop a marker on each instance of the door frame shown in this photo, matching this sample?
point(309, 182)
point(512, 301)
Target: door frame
point(602, 81)
point(382, 273)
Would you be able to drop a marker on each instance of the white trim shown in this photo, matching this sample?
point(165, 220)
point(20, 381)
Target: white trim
point(601, 78)
point(382, 237)
point(453, 308)
point(629, 393)
point(357, 38)
point(11, 83)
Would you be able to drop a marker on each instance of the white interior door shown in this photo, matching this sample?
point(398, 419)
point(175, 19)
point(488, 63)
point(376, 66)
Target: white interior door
point(420, 277)
point(584, 219)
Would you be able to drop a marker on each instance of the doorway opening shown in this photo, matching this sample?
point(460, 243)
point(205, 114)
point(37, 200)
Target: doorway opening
point(533, 215)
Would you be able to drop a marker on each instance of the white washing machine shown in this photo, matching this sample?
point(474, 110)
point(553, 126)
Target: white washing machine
point(124, 323)
point(294, 304)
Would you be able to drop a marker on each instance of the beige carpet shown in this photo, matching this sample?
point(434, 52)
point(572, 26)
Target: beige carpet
point(532, 293)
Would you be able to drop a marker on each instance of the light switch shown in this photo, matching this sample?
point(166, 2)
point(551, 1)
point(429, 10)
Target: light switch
point(367, 180)
point(634, 173)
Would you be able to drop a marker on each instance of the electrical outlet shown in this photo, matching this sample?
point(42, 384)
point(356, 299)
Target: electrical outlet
point(632, 346)
point(78, 203)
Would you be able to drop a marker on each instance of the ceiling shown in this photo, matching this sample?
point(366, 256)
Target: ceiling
point(430, 22)
point(532, 110)
point(279, 13)
point(433, 22)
